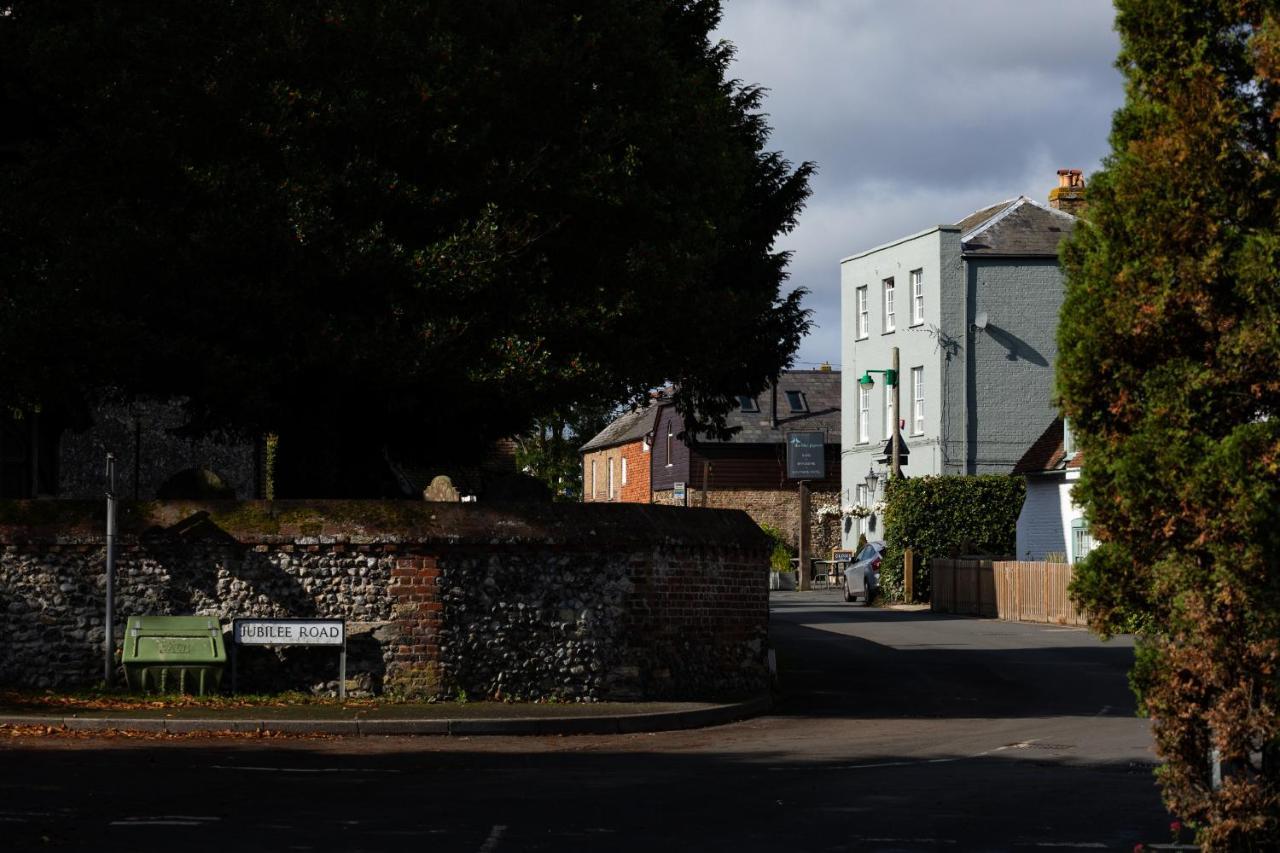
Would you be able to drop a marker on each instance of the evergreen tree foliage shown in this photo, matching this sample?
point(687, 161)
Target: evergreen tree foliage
point(1168, 354)
point(385, 227)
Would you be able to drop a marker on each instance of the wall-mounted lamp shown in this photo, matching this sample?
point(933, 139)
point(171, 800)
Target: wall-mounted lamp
point(980, 322)
point(873, 479)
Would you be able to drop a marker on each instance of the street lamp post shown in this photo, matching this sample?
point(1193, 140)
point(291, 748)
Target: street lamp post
point(895, 440)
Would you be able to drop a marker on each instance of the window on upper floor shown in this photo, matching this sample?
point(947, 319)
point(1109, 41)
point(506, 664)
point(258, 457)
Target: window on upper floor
point(624, 470)
point(889, 320)
point(864, 415)
point(1068, 440)
point(917, 297)
point(669, 434)
point(797, 402)
point(747, 403)
point(864, 321)
point(593, 478)
point(608, 481)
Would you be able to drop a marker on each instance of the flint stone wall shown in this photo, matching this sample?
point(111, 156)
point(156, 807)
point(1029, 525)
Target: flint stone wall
point(531, 602)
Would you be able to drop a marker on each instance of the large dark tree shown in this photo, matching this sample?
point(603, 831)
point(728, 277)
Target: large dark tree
point(1169, 353)
point(382, 227)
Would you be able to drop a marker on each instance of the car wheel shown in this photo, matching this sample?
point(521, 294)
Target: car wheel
point(866, 596)
point(847, 596)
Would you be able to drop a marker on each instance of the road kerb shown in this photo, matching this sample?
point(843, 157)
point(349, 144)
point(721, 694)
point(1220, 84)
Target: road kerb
point(473, 726)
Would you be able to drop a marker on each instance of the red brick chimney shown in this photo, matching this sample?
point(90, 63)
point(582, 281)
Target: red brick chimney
point(1068, 196)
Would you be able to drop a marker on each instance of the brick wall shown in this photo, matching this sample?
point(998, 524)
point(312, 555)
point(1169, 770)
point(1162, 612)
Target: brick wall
point(778, 508)
point(531, 602)
point(636, 487)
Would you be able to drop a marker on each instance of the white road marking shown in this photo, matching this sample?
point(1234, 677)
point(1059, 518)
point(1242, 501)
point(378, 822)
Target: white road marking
point(304, 769)
point(491, 843)
point(1020, 745)
point(1092, 845)
point(1105, 710)
point(911, 840)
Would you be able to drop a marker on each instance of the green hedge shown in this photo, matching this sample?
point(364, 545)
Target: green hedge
point(944, 516)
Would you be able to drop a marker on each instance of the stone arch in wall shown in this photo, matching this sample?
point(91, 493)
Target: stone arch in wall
point(195, 484)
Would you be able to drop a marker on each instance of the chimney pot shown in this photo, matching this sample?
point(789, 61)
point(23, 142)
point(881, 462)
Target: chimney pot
point(1069, 195)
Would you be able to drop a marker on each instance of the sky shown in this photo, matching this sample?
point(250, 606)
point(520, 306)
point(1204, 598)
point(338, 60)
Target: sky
point(919, 112)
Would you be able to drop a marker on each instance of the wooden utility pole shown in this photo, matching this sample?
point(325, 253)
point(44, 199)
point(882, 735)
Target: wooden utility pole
point(803, 583)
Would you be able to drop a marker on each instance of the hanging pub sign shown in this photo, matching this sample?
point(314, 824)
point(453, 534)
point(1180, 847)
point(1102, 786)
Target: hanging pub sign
point(807, 455)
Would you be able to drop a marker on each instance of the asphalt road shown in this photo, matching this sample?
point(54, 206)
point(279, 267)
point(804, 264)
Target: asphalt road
point(896, 731)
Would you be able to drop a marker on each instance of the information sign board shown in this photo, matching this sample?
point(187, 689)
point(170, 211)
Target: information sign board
point(807, 455)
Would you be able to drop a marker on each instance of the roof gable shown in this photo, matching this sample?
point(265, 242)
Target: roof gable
point(1020, 227)
point(626, 428)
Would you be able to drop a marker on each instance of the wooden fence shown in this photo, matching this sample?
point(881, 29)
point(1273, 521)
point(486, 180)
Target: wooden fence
point(1005, 589)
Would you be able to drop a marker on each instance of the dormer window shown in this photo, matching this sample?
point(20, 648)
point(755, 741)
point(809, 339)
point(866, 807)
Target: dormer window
point(747, 403)
point(795, 399)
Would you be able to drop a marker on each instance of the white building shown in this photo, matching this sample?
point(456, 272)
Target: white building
point(973, 310)
point(1052, 526)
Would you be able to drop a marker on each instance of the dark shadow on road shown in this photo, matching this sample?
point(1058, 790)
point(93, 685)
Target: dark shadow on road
point(167, 796)
point(918, 668)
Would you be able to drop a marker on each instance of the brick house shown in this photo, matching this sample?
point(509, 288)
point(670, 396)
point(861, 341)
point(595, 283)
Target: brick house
point(1051, 523)
point(615, 463)
point(748, 470)
point(973, 310)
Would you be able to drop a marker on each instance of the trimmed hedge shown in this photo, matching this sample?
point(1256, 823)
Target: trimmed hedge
point(943, 516)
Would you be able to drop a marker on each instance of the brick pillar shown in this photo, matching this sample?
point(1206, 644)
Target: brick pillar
point(414, 669)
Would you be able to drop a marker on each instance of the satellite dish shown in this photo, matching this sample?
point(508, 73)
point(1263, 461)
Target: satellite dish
point(980, 321)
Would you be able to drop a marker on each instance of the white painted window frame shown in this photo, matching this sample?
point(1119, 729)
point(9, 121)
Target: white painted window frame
point(917, 297)
point(864, 319)
point(917, 400)
point(890, 321)
point(864, 415)
point(888, 411)
point(624, 470)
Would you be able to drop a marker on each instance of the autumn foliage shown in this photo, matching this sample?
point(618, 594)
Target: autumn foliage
point(1169, 346)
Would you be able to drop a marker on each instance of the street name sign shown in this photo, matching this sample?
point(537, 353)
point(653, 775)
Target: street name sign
point(289, 632)
point(807, 455)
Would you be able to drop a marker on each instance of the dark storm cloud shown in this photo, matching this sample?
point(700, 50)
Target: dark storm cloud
point(920, 111)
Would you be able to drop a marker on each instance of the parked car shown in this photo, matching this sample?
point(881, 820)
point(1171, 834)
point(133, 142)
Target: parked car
point(862, 577)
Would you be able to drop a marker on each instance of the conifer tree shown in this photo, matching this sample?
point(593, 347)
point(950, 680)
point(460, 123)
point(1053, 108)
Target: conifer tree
point(1169, 370)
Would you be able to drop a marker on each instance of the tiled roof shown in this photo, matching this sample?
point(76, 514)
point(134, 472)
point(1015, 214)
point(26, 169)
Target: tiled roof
point(1047, 453)
point(1018, 227)
point(626, 428)
point(821, 391)
point(973, 220)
